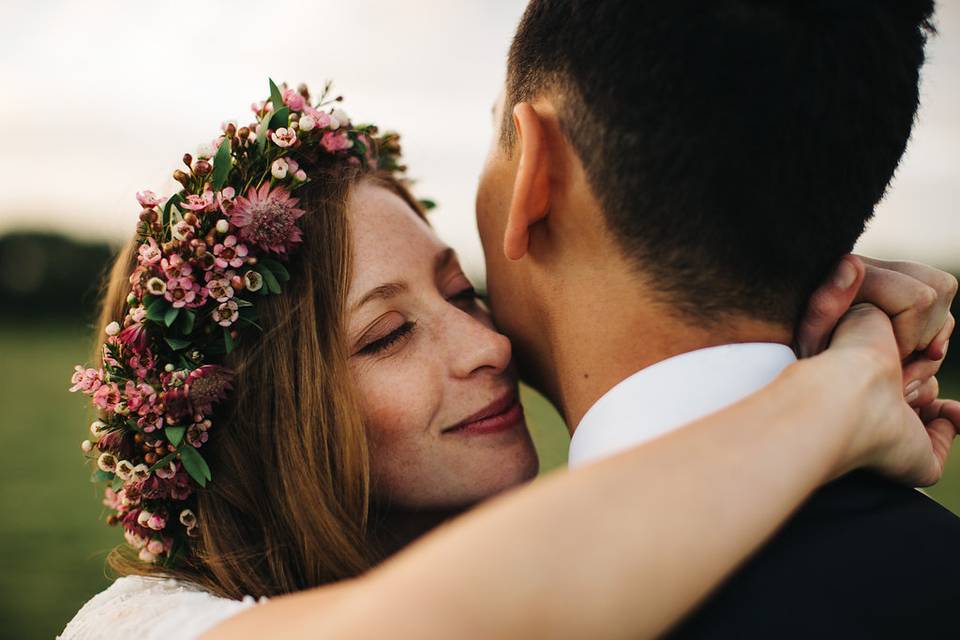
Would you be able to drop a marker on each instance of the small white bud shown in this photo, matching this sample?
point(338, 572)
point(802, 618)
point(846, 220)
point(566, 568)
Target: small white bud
point(113, 328)
point(169, 367)
point(307, 123)
point(222, 225)
point(279, 169)
point(86, 446)
point(97, 427)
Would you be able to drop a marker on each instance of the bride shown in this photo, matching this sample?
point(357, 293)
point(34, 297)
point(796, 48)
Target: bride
point(300, 394)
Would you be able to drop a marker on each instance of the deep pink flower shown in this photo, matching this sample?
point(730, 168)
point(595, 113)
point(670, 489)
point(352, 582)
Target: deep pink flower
point(141, 397)
point(175, 267)
point(142, 363)
point(229, 253)
point(208, 385)
point(147, 199)
point(294, 100)
point(268, 219)
point(134, 337)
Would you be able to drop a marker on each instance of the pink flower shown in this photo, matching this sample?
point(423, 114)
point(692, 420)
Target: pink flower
point(111, 500)
point(334, 142)
point(197, 435)
point(268, 219)
point(156, 522)
point(206, 202)
point(225, 199)
point(207, 385)
point(229, 253)
point(180, 292)
point(149, 253)
point(284, 137)
point(150, 421)
point(226, 314)
point(138, 314)
point(167, 472)
point(294, 100)
point(220, 289)
point(175, 267)
point(140, 397)
point(147, 199)
point(182, 230)
point(107, 396)
point(142, 363)
point(86, 380)
point(320, 118)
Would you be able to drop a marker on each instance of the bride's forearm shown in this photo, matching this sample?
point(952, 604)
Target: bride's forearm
point(621, 548)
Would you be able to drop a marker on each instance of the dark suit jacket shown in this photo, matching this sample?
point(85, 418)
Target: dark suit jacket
point(864, 558)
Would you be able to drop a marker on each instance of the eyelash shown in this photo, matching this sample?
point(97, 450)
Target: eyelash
point(388, 340)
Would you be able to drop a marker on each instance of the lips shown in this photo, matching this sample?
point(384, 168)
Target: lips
point(500, 415)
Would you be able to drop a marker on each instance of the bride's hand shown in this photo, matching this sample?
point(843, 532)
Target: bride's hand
point(891, 437)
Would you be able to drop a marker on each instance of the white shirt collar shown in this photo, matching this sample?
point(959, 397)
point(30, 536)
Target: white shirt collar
point(672, 393)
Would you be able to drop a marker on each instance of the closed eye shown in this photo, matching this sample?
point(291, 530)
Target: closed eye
point(389, 340)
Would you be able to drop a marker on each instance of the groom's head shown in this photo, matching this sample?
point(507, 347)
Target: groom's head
point(729, 152)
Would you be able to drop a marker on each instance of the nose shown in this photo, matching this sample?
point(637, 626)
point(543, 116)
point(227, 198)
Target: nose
point(474, 346)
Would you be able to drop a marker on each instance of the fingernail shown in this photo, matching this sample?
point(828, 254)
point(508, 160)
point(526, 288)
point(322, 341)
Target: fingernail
point(910, 388)
point(845, 275)
point(911, 397)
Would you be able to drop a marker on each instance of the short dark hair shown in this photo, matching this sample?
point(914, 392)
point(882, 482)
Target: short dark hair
point(737, 147)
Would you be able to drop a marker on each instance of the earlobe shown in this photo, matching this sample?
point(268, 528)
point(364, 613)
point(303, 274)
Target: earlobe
point(531, 190)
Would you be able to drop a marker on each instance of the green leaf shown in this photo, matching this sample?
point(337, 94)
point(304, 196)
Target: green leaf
point(276, 97)
point(177, 343)
point(175, 434)
point(195, 465)
point(243, 304)
point(158, 310)
point(162, 462)
point(117, 483)
point(101, 476)
point(222, 163)
point(227, 340)
point(427, 204)
point(277, 268)
point(269, 280)
point(175, 199)
point(280, 118)
point(187, 320)
point(262, 133)
point(171, 315)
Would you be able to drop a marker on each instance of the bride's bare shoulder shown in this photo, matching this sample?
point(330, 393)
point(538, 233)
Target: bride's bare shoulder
point(148, 608)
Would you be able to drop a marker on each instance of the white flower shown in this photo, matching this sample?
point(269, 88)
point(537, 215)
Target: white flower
point(187, 518)
point(169, 367)
point(156, 286)
point(252, 280)
point(107, 462)
point(307, 123)
point(113, 328)
point(86, 446)
point(141, 472)
point(284, 137)
point(279, 169)
point(144, 517)
point(222, 225)
point(124, 469)
point(339, 118)
point(97, 427)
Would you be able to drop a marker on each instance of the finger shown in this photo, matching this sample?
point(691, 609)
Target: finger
point(918, 369)
point(943, 284)
point(942, 433)
point(907, 301)
point(827, 305)
point(938, 347)
point(925, 393)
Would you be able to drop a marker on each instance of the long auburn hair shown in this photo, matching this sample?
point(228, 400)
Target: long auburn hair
point(290, 502)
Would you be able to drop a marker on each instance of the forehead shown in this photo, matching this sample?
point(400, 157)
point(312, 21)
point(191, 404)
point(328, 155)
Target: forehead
point(391, 243)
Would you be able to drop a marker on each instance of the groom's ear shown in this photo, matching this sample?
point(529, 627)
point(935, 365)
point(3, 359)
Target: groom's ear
point(531, 188)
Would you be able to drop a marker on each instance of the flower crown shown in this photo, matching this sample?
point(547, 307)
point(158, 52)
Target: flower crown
point(205, 255)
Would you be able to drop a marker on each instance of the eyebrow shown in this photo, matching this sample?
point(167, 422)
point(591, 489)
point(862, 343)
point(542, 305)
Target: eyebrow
point(390, 290)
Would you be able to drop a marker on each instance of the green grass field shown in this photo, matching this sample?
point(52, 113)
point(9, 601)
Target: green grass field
point(52, 543)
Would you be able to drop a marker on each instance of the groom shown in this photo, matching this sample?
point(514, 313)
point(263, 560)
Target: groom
point(669, 183)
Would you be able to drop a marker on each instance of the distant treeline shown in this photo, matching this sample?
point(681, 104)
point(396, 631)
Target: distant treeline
point(51, 277)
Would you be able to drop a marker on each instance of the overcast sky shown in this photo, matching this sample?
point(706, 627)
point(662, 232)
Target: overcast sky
point(101, 99)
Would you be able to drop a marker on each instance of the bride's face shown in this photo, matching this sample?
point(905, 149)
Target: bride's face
point(435, 380)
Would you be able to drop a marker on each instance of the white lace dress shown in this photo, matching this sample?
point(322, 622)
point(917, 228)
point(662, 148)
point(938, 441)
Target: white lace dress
point(151, 609)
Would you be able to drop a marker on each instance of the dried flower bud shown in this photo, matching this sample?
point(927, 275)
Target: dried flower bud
point(187, 159)
point(231, 130)
point(150, 458)
point(181, 177)
point(191, 219)
point(243, 133)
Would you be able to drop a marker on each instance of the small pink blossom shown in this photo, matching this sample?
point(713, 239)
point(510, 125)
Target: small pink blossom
point(180, 292)
point(149, 253)
point(107, 396)
point(320, 118)
point(334, 142)
point(155, 547)
point(220, 289)
point(86, 380)
point(139, 395)
point(182, 230)
point(206, 202)
point(167, 472)
point(197, 435)
point(229, 253)
point(226, 314)
point(147, 199)
point(294, 100)
point(175, 267)
point(111, 499)
point(156, 522)
point(284, 137)
point(150, 421)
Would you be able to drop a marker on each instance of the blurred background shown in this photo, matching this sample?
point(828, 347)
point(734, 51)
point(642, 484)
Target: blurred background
point(101, 99)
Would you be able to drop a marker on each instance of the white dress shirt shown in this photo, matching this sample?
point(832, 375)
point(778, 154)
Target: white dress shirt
point(672, 393)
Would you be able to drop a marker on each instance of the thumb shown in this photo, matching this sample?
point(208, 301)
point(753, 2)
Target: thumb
point(827, 305)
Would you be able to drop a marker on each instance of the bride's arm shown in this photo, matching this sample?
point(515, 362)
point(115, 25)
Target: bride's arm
point(625, 547)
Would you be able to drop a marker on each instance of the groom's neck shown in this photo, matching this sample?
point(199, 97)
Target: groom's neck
point(602, 335)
